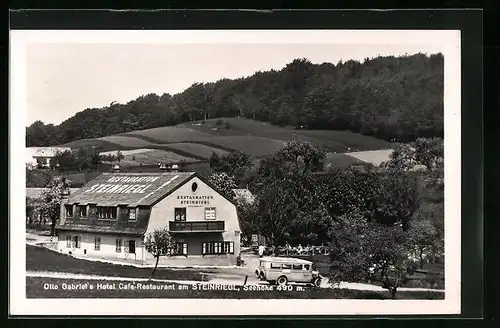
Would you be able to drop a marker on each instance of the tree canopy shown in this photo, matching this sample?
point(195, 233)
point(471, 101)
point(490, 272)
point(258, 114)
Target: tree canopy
point(386, 97)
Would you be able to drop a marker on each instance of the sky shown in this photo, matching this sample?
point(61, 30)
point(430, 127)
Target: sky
point(65, 78)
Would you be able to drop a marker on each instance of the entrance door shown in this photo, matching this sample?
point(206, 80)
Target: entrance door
point(131, 246)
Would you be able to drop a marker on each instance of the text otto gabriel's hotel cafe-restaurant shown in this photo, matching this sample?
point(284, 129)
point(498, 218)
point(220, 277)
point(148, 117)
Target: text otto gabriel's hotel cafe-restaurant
point(110, 216)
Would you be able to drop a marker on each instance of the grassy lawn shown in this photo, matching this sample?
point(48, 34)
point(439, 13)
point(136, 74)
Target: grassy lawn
point(42, 259)
point(35, 289)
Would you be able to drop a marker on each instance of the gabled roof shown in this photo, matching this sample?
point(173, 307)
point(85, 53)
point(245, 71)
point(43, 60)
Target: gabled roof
point(132, 189)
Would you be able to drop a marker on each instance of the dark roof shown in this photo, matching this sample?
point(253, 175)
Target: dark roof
point(133, 189)
point(103, 229)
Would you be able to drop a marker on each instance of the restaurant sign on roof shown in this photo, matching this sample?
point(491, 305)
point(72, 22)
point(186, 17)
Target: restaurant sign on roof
point(123, 184)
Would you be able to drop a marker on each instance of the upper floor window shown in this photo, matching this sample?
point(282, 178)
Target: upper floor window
point(69, 211)
point(82, 211)
point(210, 213)
point(132, 214)
point(106, 213)
point(180, 214)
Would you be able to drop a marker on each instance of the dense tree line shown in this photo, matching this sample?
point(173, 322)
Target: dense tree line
point(386, 97)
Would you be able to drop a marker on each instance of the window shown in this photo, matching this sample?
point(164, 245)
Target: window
point(131, 246)
point(275, 265)
point(306, 267)
point(286, 266)
point(131, 214)
point(69, 211)
point(76, 242)
point(106, 213)
point(118, 245)
point(180, 214)
point(217, 247)
point(82, 211)
point(210, 213)
point(97, 244)
point(179, 249)
point(68, 241)
point(297, 266)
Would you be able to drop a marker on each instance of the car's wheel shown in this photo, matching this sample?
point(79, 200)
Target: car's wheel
point(257, 273)
point(282, 281)
point(262, 276)
point(317, 282)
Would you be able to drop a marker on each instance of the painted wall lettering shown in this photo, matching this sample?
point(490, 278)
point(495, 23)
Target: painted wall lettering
point(195, 200)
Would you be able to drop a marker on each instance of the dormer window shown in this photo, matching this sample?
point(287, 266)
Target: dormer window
point(69, 211)
point(82, 211)
point(132, 214)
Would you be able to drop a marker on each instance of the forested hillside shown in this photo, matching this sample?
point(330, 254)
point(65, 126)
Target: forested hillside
point(386, 97)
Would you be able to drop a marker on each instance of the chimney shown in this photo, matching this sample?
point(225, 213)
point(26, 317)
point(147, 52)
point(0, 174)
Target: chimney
point(64, 198)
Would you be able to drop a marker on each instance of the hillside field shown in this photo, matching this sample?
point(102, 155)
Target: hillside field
point(145, 156)
point(199, 139)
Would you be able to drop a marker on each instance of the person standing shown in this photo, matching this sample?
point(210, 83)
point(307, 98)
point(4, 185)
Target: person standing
point(261, 250)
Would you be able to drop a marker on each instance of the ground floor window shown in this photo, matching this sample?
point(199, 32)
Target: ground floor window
point(218, 247)
point(97, 244)
point(118, 246)
point(180, 249)
point(73, 241)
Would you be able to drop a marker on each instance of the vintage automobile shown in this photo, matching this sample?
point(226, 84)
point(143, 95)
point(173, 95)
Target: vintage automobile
point(281, 270)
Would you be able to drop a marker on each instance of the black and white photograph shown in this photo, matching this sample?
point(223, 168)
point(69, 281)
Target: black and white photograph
point(235, 172)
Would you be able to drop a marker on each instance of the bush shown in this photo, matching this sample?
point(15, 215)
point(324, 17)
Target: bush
point(219, 122)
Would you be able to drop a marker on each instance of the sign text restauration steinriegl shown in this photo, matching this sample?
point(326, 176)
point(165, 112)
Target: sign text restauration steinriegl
point(125, 185)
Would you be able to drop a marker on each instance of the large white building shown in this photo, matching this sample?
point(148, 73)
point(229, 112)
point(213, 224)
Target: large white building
point(42, 155)
point(109, 217)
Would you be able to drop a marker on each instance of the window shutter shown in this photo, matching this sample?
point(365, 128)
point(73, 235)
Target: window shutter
point(184, 249)
point(231, 247)
point(204, 246)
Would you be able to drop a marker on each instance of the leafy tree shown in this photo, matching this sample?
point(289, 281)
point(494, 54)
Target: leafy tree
point(387, 250)
point(119, 156)
point(277, 211)
point(398, 199)
point(224, 183)
point(363, 250)
point(51, 206)
point(429, 152)
point(235, 164)
point(299, 158)
point(402, 158)
point(158, 243)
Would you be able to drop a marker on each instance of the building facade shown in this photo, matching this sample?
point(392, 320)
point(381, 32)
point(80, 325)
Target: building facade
point(110, 216)
point(41, 156)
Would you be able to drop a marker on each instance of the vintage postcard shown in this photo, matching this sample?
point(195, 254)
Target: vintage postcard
point(297, 172)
